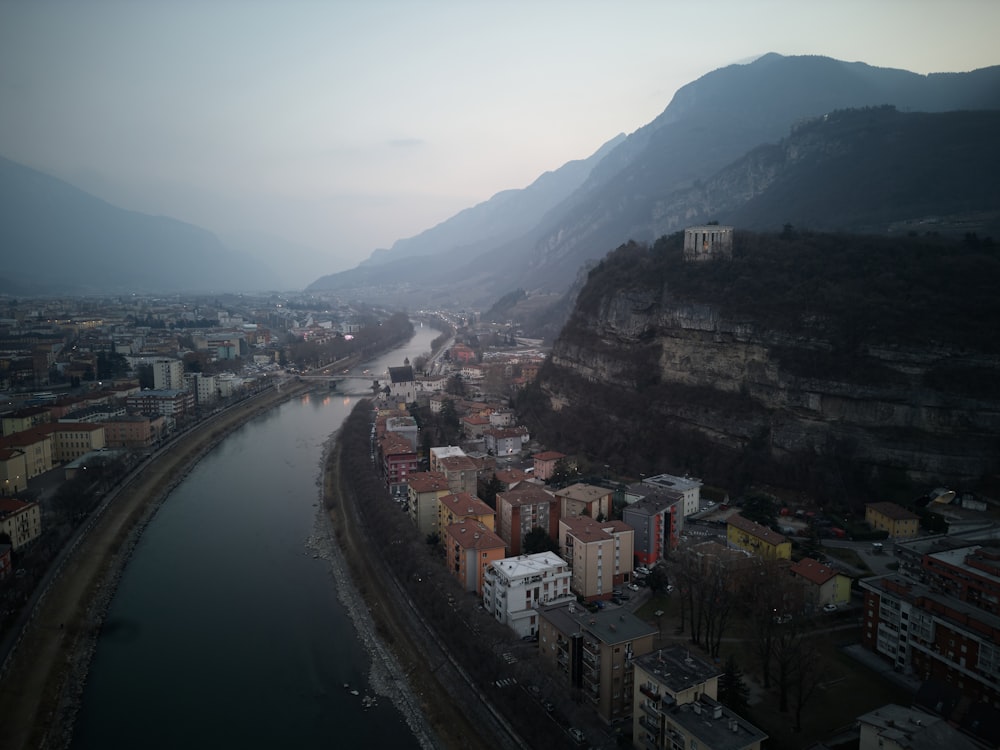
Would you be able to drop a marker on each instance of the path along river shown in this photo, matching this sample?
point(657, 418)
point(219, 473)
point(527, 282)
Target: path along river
point(232, 624)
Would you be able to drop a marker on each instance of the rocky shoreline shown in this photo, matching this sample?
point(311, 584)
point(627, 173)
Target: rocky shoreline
point(386, 676)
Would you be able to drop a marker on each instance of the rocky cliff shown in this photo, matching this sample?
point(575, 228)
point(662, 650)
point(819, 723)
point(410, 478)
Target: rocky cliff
point(828, 363)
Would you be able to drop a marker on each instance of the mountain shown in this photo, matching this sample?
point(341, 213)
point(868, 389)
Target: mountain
point(710, 124)
point(62, 240)
point(468, 234)
point(850, 367)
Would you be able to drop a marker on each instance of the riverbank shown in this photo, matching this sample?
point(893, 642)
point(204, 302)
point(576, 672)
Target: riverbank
point(413, 652)
point(44, 676)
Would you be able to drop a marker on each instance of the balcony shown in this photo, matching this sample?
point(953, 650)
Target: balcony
point(651, 726)
point(649, 692)
point(650, 709)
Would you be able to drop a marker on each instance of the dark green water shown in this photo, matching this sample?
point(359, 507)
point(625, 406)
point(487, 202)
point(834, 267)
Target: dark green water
point(227, 629)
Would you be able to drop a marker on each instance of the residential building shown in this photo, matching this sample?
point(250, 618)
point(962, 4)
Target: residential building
point(423, 490)
point(600, 554)
point(893, 727)
point(657, 520)
point(37, 447)
point(821, 584)
point(6, 561)
point(545, 463)
point(470, 548)
point(473, 426)
point(136, 432)
point(514, 587)
point(505, 441)
point(21, 521)
point(688, 487)
point(405, 427)
point(24, 419)
point(461, 506)
point(970, 573)
point(525, 507)
point(676, 705)
point(462, 473)
point(585, 500)
point(930, 634)
point(13, 471)
point(169, 403)
point(70, 440)
point(595, 652)
point(399, 461)
point(757, 539)
point(168, 374)
point(894, 519)
point(511, 476)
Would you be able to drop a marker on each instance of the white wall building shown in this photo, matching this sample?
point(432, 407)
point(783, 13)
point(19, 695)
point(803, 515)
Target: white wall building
point(514, 586)
point(168, 374)
point(689, 487)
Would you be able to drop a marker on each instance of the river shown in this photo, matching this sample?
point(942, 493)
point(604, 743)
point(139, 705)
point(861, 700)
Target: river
point(231, 625)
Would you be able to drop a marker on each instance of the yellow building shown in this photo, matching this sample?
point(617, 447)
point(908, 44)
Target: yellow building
point(676, 706)
point(898, 521)
point(822, 585)
point(19, 520)
point(37, 448)
point(70, 440)
point(25, 419)
point(461, 506)
point(756, 539)
point(13, 471)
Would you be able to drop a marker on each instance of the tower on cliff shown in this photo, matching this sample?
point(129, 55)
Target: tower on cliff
point(709, 242)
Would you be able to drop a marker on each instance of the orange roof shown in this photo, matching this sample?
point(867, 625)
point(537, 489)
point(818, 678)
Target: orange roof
point(893, 511)
point(464, 504)
point(549, 456)
point(526, 493)
point(813, 571)
point(427, 481)
point(470, 534)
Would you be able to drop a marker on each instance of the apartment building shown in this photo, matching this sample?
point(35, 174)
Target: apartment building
point(37, 449)
point(169, 403)
point(687, 487)
point(894, 519)
point(600, 554)
point(13, 471)
point(523, 508)
point(399, 461)
point(675, 705)
point(929, 633)
point(70, 440)
point(748, 535)
point(657, 520)
point(582, 499)
point(514, 587)
point(595, 652)
point(470, 548)
point(545, 462)
point(168, 374)
point(821, 584)
point(461, 506)
point(423, 490)
point(21, 521)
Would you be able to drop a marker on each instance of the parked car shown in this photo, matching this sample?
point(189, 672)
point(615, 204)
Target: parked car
point(829, 607)
point(633, 587)
point(577, 735)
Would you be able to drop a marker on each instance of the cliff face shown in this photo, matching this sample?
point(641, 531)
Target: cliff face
point(771, 398)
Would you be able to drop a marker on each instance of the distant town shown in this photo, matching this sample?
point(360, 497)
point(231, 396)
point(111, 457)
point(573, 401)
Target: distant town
point(666, 613)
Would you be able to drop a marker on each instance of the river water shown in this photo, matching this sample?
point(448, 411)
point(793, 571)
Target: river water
point(230, 627)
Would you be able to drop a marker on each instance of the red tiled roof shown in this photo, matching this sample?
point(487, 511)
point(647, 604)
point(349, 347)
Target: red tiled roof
point(813, 571)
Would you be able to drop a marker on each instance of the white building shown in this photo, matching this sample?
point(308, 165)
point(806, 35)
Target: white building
point(168, 374)
point(689, 487)
point(515, 586)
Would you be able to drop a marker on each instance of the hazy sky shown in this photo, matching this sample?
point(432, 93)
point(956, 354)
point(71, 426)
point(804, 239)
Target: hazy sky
point(345, 125)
